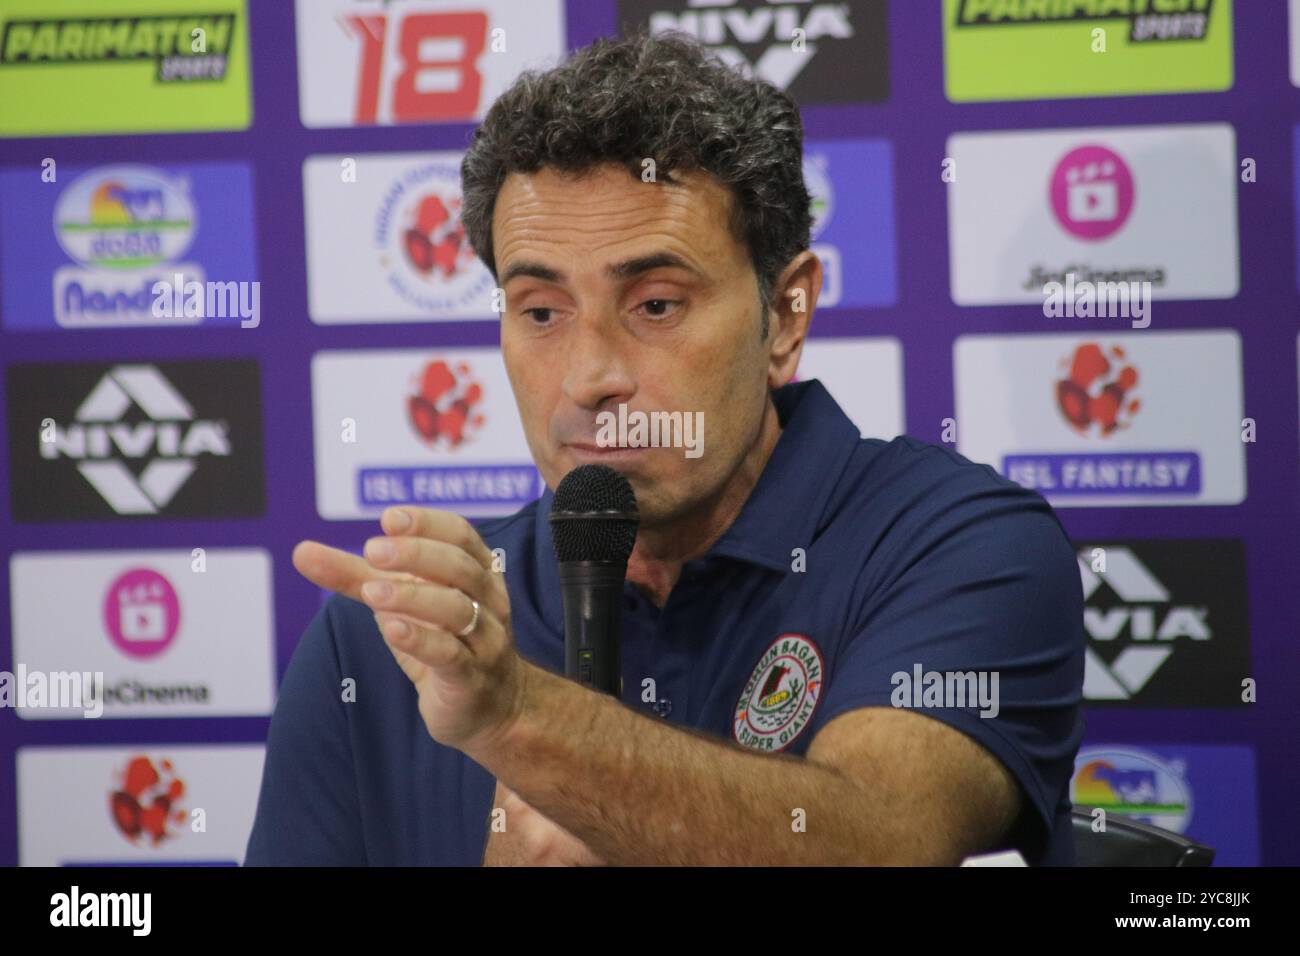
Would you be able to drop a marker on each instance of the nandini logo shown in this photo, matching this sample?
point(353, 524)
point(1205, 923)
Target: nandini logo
point(169, 441)
point(123, 217)
point(780, 63)
point(127, 227)
point(820, 189)
point(1134, 783)
point(817, 181)
point(1146, 616)
point(638, 429)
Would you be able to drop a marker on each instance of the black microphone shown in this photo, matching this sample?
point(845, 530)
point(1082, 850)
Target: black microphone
point(593, 524)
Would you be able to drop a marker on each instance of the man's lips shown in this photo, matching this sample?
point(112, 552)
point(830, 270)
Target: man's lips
point(586, 450)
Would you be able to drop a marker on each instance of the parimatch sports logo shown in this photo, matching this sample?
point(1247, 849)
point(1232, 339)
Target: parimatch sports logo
point(126, 66)
point(1040, 49)
point(817, 52)
point(169, 439)
point(171, 43)
point(1166, 622)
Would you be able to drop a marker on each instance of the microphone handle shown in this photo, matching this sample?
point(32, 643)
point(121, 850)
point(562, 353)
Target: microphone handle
point(593, 621)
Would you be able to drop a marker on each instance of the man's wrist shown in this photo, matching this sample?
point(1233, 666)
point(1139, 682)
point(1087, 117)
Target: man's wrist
point(513, 729)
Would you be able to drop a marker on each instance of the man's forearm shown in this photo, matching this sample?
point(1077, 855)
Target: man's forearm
point(639, 791)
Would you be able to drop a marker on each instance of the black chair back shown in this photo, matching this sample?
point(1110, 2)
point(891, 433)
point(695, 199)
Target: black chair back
point(1128, 842)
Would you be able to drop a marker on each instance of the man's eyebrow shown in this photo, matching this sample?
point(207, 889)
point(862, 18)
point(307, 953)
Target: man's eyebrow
point(526, 267)
point(659, 260)
point(619, 270)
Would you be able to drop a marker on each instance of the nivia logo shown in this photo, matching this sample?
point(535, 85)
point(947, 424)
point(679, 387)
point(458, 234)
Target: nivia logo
point(818, 52)
point(137, 439)
point(1148, 643)
point(172, 434)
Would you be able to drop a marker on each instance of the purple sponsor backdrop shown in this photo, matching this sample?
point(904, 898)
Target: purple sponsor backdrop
point(916, 119)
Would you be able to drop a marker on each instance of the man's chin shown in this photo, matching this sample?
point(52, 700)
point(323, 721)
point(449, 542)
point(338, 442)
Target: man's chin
point(658, 485)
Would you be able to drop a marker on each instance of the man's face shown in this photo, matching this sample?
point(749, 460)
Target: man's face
point(620, 291)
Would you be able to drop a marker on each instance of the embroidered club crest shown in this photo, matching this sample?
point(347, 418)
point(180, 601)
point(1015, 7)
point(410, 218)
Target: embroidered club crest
point(780, 696)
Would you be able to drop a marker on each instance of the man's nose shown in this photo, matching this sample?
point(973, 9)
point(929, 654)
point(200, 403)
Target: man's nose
point(595, 371)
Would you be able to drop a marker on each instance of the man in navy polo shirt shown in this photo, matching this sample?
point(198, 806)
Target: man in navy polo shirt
point(835, 650)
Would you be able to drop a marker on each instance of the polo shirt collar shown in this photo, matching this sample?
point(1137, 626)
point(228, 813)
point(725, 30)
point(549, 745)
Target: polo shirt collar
point(785, 508)
point(783, 511)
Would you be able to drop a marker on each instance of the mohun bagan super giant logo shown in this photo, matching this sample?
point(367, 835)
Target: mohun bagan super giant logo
point(781, 694)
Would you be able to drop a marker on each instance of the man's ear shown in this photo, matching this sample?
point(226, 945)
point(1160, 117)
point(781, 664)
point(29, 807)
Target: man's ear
point(793, 302)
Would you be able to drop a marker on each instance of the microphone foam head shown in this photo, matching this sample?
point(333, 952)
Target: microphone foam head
point(594, 516)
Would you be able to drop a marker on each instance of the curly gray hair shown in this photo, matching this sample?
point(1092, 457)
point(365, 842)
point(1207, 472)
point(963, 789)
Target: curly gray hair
point(663, 97)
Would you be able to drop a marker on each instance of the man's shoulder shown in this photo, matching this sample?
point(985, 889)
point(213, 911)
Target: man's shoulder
point(908, 474)
point(910, 496)
point(905, 459)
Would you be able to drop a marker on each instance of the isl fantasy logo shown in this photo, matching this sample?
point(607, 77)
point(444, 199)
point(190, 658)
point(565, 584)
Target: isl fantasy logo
point(1095, 394)
point(444, 409)
point(1094, 391)
point(145, 801)
point(1091, 192)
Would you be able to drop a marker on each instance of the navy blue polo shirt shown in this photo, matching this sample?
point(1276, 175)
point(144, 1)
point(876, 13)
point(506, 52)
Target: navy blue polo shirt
point(853, 563)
